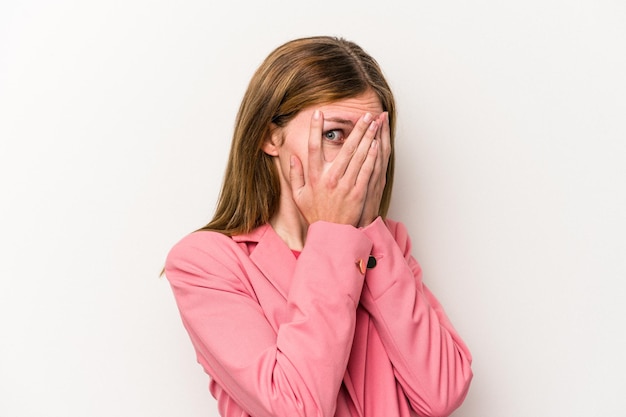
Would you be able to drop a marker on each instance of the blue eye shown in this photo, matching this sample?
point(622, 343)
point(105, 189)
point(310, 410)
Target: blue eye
point(333, 135)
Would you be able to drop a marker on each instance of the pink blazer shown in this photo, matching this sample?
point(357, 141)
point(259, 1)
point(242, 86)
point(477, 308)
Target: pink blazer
point(319, 335)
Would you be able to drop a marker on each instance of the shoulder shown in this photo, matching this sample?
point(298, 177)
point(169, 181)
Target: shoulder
point(396, 228)
point(203, 251)
point(400, 234)
point(200, 242)
point(393, 225)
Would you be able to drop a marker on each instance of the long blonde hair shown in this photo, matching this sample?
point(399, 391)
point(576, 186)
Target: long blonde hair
point(298, 74)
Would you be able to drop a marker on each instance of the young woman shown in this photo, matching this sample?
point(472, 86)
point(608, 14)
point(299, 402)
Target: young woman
point(300, 297)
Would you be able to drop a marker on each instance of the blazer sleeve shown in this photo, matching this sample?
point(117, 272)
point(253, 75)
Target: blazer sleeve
point(431, 362)
point(297, 369)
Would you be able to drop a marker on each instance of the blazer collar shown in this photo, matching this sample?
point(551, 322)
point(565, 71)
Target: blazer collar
point(271, 255)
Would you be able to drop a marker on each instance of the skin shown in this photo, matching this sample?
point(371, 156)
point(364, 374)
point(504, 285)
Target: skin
point(332, 160)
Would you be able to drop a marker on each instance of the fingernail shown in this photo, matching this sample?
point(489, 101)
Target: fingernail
point(367, 118)
point(373, 125)
point(374, 144)
point(316, 114)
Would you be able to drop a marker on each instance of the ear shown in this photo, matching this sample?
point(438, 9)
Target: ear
point(272, 141)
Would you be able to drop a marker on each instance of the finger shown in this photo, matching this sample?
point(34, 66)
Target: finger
point(351, 145)
point(385, 136)
point(355, 164)
point(379, 166)
point(367, 168)
point(376, 173)
point(383, 140)
point(296, 174)
point(316, 156)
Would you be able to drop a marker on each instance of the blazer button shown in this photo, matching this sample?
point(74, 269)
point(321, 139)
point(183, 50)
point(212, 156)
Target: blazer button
point(361, 265)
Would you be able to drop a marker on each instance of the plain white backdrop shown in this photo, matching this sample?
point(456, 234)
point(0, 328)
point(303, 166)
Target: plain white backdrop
point(115, 123)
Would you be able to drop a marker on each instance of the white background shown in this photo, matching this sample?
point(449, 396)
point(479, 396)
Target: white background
point(115, 123)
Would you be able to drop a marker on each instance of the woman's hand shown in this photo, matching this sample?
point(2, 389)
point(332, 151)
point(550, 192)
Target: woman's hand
point(378, 179)
point(336, 191)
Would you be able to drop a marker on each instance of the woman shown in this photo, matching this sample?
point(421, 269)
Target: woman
point(300, 298)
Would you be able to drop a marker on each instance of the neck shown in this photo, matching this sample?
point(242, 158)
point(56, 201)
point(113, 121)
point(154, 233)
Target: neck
point(289, 224)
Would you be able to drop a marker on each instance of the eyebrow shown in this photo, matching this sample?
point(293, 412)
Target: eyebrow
point(339, 120)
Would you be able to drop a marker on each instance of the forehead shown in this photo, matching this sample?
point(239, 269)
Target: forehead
point(359, 105)
point(349, 108)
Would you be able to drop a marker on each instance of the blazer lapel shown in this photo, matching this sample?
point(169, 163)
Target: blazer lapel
point(272, 256)
point(277, 263)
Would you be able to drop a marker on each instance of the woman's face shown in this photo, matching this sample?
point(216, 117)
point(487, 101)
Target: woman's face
point(340, 117)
